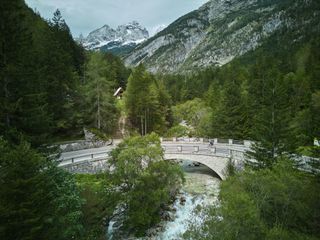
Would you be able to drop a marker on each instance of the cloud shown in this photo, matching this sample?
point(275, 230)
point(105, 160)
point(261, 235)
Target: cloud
point(83, 16)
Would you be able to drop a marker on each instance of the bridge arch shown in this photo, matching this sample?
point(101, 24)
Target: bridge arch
point(215, 163)
point(214, 156)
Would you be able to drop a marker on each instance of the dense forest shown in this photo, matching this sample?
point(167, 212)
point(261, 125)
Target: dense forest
point(51, 89)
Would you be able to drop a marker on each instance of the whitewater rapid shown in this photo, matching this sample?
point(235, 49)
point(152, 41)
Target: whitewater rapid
point(199, 192)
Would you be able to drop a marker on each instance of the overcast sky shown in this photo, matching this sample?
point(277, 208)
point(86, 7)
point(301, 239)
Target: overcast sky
point(83, 16)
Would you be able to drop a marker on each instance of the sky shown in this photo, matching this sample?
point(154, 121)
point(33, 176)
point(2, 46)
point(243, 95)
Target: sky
point(84, 16)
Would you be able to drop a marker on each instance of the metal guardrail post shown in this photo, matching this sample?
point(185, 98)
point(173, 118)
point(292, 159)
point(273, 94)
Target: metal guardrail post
point(179, 148)
point(72, 160)
point(196, 148)
point(247, 143)
point(92, 156)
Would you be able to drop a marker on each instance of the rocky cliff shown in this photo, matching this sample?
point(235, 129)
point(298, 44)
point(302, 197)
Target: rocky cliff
point(118, 41)
point(221, 30)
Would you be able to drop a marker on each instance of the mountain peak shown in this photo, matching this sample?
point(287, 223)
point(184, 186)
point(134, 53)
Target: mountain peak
point(106, 37)
point(134, 23)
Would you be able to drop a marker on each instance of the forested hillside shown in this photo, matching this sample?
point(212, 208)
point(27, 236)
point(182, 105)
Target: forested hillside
point(46, 83)
point(51, 89)
point(272, 89)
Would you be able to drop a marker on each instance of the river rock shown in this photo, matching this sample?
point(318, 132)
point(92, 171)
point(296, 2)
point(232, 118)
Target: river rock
point(166, 216)
point(182, 200)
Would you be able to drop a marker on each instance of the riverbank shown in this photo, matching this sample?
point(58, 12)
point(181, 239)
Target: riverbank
point(200, 191)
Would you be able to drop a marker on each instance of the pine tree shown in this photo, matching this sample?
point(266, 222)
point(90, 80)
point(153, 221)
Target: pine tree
point(270, 129)
point(38, 200)
point(147, 102)
point(315, 107)
point(101, 112)
point(228, 120)
point(22, 95)
point(61, 72)
point(137, 97)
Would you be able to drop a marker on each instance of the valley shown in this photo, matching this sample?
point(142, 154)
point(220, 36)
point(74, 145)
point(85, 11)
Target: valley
point(206, 129)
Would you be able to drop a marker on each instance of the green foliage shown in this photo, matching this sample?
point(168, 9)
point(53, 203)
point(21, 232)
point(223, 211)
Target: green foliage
point(229, 118)
point(99, 135)
point(195, 113)
point(178, 131)
point(240, 93)
point(183, 87)
point(40, 66)
point(38, 200)
point(231, 168)
point(141, 183)
point(145, 206)
point(62, 66)
point(121, 73)
point(315, 108)
point(277, 203)
point(100, 110)
point(147, 102)
point(132, 155)
point(94, 208)
point(22, 96)
point(47, 91)
point(191, 111)
point(269, 94)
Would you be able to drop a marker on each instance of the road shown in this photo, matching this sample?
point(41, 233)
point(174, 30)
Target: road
point(72, 154)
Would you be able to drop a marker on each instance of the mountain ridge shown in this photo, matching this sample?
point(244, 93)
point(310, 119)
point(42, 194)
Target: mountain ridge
point(220, 31)
point(118, 40)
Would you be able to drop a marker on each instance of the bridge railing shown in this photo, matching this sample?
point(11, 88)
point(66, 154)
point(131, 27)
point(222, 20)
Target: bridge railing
point(215, 141)
point(205, 150)
point(200, 149)
point(84, 157)
point(201, 146)
point(234, 149)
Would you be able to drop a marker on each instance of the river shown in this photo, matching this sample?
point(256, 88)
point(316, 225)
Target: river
point(200, 190)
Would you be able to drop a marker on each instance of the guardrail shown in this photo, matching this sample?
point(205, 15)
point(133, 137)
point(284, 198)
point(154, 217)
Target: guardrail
point(214, 141)
point(228, 148)
point(200, 149)
point(209, 147)
point(233, 149)
point(84, 157)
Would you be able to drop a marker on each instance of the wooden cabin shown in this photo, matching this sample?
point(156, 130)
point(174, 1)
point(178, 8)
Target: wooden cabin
point(118, 93)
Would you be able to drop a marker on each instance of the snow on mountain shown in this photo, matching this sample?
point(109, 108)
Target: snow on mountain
point(157, 29)
point(124, 36)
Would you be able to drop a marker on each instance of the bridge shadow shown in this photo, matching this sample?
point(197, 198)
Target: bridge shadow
point(190, 166)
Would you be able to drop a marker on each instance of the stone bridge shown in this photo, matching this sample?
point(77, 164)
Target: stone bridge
point(214, 155)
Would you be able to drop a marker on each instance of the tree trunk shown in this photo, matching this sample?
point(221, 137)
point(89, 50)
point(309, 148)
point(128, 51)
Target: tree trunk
point(6, 80)
point(7, 102)
point(98, 112)
point(273, 121)
point(141, 120)
point(145, 121)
